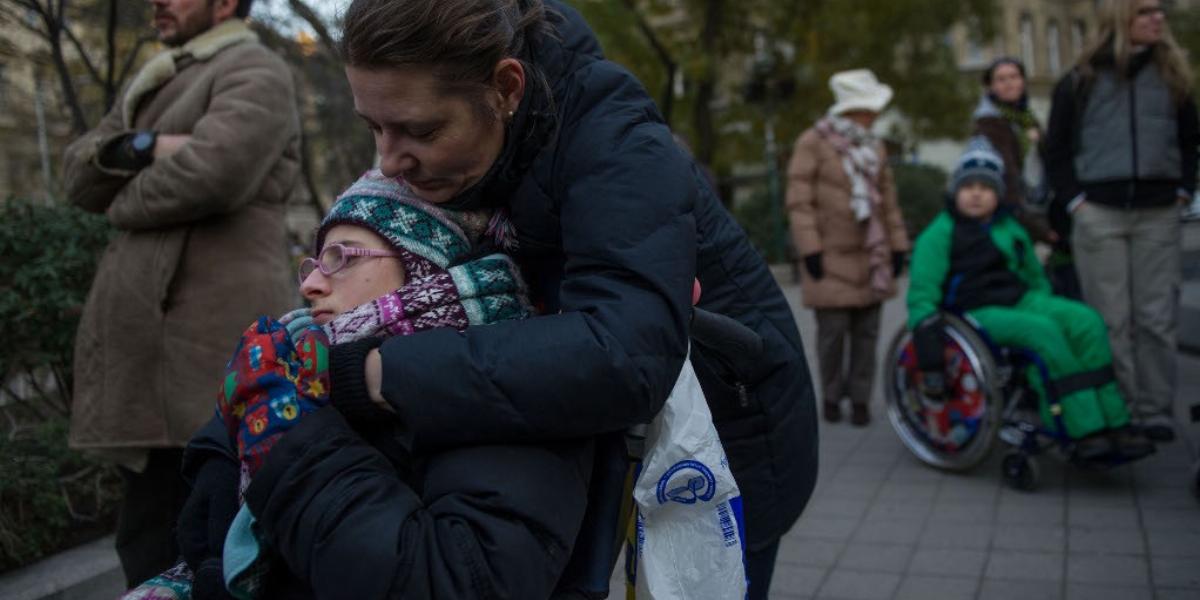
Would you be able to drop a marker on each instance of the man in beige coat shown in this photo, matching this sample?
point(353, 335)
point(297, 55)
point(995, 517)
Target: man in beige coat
point(846, 224)
point(193, 167)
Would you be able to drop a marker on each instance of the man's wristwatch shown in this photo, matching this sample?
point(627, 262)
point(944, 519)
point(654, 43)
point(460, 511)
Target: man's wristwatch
point(141, 147)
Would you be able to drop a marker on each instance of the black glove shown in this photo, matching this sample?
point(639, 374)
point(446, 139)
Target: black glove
point(208, 512)
point(812, 264)
point(208, 581)
point(897, 263)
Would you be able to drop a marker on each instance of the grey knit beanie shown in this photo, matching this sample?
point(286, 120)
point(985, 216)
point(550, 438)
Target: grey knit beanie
point(981, 163)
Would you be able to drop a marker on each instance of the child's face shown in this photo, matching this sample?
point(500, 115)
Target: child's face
point(975, 200)
point(361, 280)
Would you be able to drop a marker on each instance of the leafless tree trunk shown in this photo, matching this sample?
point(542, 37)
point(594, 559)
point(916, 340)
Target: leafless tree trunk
point(668, 98)
point(702, 118)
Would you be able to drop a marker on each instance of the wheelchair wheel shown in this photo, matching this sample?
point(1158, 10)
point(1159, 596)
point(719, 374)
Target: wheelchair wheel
point(957, 432)
point(1020, 471)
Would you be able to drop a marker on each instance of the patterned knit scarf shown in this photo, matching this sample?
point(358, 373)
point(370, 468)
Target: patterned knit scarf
point(480, 292)
point(861, 162)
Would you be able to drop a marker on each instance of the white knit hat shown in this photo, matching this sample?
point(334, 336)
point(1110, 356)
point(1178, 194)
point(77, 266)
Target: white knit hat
point(858, 90)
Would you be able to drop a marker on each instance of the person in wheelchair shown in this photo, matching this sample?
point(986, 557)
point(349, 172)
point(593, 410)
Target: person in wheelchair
point(975, 258)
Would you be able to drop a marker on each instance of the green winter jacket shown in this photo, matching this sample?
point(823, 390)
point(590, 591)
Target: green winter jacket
point(960, 264)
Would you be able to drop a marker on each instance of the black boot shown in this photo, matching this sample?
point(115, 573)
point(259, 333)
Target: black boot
point(832, 411)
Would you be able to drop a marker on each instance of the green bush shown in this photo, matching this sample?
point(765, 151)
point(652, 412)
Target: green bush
point(765, 226)
point(50, 496)
point(50, 253)
point(921, 193)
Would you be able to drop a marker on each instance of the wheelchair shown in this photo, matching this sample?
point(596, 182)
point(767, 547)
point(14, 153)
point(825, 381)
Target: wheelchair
point(988, 396)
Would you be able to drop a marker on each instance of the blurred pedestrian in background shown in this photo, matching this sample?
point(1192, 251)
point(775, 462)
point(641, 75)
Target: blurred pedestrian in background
point(1004, 118)
point(1121, 155)
point(841, 204)
point(193, 167)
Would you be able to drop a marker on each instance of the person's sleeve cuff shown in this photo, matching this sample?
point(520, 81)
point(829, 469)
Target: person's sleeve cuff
point(348, 380)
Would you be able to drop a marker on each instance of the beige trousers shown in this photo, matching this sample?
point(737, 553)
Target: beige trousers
point(1129, 269)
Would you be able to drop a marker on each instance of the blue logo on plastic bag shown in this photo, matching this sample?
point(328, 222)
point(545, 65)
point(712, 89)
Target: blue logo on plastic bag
point(689, 482)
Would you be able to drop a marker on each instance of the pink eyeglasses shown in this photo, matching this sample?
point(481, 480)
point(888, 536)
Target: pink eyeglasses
point(335, 257)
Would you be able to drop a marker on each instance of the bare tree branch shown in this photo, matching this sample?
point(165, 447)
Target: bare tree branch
point(83, 54)
point(110, 90)
point(667, 102)
point(310, 16)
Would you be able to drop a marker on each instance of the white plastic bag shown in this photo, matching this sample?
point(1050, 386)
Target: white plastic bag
point(689, 524)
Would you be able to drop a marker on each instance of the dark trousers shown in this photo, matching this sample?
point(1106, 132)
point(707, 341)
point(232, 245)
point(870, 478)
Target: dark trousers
point(146, 541)
point(760, 565)
point(836, 326)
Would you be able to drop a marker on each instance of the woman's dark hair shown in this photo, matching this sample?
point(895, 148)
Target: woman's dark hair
point(990, 72)
point(461, 40)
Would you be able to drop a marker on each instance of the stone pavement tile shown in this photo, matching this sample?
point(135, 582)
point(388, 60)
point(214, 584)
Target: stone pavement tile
point(1162, 593)
point(1108, 518)
point(1173, 496)
point(968, 491)
point(967, 536)
point(954, 562)
point(809, 552)
point(887, 558)
point(824, 506)
point(1166, 542)
point(1176, 572)
point(795, 579)
point(958, 512)
point(907, 492)
point(1031, 566)
point(919, 473)
point(1171, 519)
point(852, 474)
point(884, 510)
point(1118, 570)
point(872, 457)
point(1034, 514)
point(997, 589)
point(1080, 591)
point(1099, 540)
point(1031, 537)
point(888, 532)
point(824, 528)
point(859, 585)
point(1119, 495)
point(854, 490)
point(924, 587)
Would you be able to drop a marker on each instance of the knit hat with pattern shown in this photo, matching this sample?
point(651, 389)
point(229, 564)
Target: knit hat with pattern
point(427, 237)
point(981, 163)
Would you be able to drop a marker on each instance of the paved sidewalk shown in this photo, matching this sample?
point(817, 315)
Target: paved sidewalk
point(883, 526)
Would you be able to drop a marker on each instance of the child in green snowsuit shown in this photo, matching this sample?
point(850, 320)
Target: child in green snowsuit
point(978, 260)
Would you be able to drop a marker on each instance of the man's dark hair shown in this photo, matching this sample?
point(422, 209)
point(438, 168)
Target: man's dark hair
point(243, 8)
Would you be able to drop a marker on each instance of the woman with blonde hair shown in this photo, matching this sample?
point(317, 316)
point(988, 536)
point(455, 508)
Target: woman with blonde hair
point(1121, 151)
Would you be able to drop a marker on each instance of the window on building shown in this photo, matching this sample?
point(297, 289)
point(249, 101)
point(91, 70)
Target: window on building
point(1028, 47)
point(1078, 36)
point(1053, 54)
